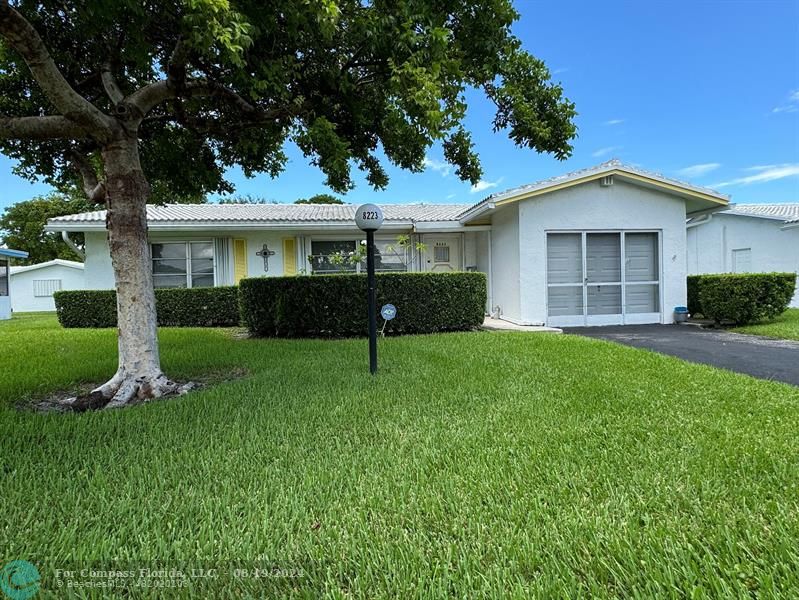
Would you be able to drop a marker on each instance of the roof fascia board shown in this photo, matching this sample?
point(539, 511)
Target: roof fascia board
point(44, 265)
point(621, 173)
point(445, 226)
point(229, 225)
point(476, 211)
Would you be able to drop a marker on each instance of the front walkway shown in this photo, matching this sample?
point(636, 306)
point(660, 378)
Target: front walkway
point(499, 325)
point(765, 358)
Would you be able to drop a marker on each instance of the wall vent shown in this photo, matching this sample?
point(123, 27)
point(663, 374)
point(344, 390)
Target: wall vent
point(606, 181)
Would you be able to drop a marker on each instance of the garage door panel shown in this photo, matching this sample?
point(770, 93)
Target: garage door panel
point(642, 298)
point(603, 257)
point(604, 300)
point(564, 258)
point(565, 301)
point(616, 281)
point(641, 256)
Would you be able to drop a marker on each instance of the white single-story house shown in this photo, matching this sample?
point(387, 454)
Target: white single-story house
point(6, 254)
point(603, 245)
point(32, 286)
point(746, 238)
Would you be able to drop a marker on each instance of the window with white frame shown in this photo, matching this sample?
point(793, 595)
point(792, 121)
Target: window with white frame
point(391, 256)
point(349, 256)
point(183, 264)
point(44, 288)
point(334, 256)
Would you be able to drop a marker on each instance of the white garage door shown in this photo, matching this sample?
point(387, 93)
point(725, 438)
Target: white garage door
point(603, 278)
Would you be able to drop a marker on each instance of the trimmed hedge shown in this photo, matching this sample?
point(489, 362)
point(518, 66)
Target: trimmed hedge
point(335, 305)
point(196, 307)
point(742, 297)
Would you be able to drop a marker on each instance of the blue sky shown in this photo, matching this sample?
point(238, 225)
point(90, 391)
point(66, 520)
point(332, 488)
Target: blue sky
point(703, 91)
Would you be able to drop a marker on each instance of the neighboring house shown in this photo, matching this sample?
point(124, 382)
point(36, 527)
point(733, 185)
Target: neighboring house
point(6, 255)
point(603, 245)
point(32, 287)
point(746, 238)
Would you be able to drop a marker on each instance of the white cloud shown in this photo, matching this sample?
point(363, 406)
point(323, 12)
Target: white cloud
point(699, 170)
point(483, 185)
point(450, 196)
point(763, 174)
point(604, 151)
point(559, 71)
point(439, 166)
point(614, 122)
point(790, 106)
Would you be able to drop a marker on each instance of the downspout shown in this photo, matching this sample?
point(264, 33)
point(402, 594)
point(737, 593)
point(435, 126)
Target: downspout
point(700, 221)
point(490, 278)
point(68, 241)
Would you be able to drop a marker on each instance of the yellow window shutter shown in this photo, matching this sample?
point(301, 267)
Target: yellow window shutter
point(289, 257)
point(239, 260)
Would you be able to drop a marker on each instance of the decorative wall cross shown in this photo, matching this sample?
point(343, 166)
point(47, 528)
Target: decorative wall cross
point(265, 254)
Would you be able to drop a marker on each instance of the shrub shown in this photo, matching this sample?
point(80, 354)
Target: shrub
point(335, 305)
point(740, 298)
point(197, 307)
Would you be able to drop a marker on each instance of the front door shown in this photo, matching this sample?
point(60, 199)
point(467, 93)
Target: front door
point(603, 278)
point(442, 253)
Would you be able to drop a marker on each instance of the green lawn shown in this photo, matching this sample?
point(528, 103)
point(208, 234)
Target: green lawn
point(474, 465)
point(786, 326)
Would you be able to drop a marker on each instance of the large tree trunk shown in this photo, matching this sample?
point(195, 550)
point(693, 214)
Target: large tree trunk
point(139, 375)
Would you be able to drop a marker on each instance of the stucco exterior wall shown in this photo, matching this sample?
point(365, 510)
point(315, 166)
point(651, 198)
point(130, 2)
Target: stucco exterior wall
point(97, 267)
point(710, 246)
point(23, 298)
point(100, 274)
point(505, 258)
point(589, 206)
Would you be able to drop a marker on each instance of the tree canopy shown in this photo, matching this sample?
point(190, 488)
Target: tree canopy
point(21, 226)
point(211, 84)
point(320, 199)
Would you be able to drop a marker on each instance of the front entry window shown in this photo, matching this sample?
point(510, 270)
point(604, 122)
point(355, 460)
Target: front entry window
point(337, 256)
point(183, 264)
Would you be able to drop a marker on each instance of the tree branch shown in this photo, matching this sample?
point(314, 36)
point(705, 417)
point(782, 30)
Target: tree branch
point(95, 190)
point(150, 96)
point(110, 84)
point(176, 67)
point(40, 128)
point(23, 38)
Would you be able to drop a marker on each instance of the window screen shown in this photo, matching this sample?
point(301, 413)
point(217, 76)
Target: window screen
point(333, 256)
point(44, 288)
point(183, 264)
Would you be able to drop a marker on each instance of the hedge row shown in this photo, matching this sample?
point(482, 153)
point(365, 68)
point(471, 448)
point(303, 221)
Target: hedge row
point(196, 307)
point(740, 298)
point(335, 305)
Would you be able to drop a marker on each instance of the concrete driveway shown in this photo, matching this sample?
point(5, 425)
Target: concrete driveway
point(761, 357)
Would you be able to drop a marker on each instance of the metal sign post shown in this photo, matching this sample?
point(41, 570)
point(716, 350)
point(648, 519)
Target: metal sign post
point(369, 218)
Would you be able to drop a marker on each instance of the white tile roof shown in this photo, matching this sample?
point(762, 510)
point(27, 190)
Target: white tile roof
point(611, 165)
point(789, 213)
point(253, 214)
point(294, 213)
point(50, 263)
